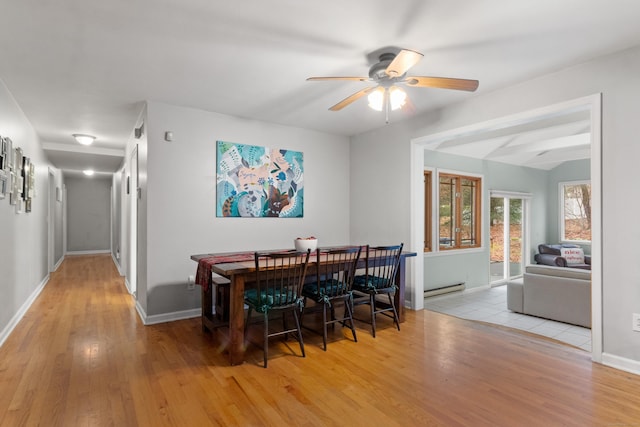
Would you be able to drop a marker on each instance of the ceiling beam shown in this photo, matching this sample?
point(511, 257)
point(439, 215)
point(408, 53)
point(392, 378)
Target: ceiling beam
point(579, 140)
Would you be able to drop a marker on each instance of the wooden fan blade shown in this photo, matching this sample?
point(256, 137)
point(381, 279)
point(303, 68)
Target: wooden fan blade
point(442, 82)
point(402, 62)
point(357, 79)
point(351, 98)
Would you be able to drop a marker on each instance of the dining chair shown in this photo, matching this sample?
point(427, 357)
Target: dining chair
point(277, 288)
point(335, 269)
point(381, 267)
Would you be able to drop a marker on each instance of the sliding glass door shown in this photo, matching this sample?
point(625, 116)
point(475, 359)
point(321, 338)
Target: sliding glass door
point(507, 236)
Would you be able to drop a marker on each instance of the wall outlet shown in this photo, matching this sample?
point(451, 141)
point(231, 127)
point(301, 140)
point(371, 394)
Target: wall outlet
point(636, 322)
point(191, 283)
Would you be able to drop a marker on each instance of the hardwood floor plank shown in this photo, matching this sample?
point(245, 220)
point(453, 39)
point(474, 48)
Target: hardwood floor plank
point(81, 357)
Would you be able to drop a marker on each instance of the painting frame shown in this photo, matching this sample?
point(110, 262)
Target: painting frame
point(254, 181)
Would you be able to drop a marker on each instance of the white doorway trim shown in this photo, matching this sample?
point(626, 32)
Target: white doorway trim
point(593, 104)
point(51, 215)
point(133, 221)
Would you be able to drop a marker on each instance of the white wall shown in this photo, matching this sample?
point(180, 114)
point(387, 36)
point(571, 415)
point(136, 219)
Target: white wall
point(88, 214)
point(23, 237)
point(178, 190)
point(617, 77)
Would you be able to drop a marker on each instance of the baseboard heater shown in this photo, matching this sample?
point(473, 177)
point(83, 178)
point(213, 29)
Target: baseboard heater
point(444, 290)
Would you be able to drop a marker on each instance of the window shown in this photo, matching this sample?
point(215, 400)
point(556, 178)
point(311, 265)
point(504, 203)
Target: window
point(427, 211)
point(459, 217)
point(575, 211)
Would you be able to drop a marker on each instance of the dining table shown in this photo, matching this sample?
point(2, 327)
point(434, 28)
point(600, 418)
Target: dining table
point(227, 274)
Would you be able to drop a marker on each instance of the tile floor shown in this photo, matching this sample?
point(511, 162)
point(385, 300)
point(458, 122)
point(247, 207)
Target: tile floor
point(490, 305)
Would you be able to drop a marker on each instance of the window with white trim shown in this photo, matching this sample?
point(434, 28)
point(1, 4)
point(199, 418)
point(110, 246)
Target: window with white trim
point(575, 211)
point(459, 211)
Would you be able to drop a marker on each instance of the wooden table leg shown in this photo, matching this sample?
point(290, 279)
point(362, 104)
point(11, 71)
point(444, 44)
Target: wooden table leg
point(400, 283)
point(236, 320)
point(207, 306)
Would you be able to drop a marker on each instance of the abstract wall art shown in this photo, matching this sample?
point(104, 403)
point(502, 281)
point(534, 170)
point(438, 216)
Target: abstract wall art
point(17, 176)
point(255, 181)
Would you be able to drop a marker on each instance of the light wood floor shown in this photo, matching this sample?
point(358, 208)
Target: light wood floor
point(82, 357)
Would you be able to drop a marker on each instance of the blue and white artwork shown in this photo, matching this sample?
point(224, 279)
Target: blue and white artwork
point(254, 181)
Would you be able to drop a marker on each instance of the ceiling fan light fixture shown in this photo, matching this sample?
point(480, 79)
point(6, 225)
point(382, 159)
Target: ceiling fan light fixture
point(84, 139)
point(391, 69)
point(376, 99)
point(397, 97)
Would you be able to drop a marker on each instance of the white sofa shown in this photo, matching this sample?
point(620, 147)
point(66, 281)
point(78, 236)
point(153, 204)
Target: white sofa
point(556, 293)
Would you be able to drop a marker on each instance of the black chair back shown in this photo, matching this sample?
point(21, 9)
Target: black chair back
point(279, 280)
point(335, 271)
point(382, 266)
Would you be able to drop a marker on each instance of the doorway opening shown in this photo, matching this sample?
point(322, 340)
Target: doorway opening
point(461, 139)
point(508, 236)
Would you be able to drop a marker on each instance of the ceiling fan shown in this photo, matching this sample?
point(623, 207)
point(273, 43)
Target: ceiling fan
point(389, 73)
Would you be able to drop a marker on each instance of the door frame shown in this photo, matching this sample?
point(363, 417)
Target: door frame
point(592, 103)
point(132, 187)
point(51, 223)
point(526, 256)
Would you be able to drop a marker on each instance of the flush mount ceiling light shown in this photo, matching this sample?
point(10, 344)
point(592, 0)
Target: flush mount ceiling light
point(84, 139)
point(88, 172)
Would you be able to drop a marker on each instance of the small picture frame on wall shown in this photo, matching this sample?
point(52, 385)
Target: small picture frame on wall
point(31, 179)
point(3, 183)
point(26, 174)
point(11, 188)
point(3, 153)
point(17, 161)
point(8, 161)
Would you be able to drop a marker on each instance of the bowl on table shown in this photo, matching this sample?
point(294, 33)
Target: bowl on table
point(302, 245)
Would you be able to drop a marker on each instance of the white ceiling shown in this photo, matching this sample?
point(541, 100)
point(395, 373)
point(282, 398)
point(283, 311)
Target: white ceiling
point(541, 142)
point(86, 66)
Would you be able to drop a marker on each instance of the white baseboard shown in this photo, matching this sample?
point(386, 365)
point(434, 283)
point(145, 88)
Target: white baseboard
point(117, 263)
point(55, 267)
point(166, 317)
point(4, 334)
point(476, 289)
point(622, 363)
point(444, 290)
point(464, 291)
point(105, 251)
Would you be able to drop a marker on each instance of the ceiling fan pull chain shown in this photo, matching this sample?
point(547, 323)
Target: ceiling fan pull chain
point(386, 106)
